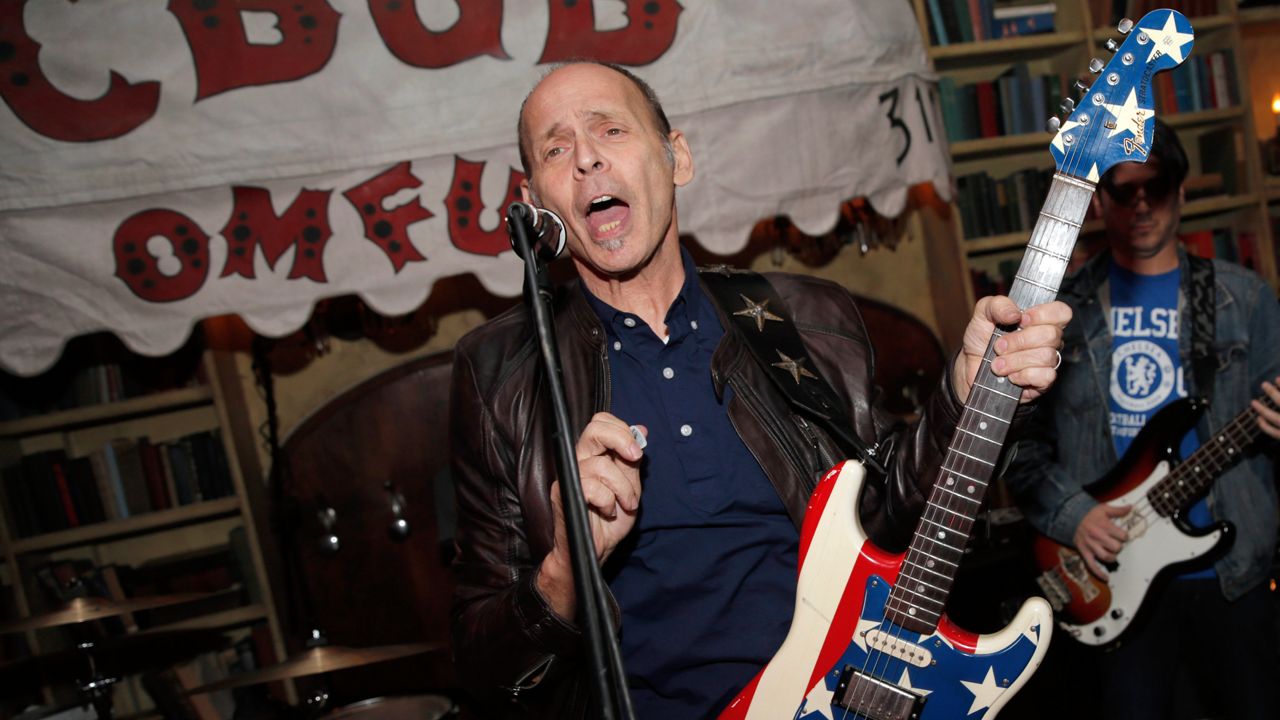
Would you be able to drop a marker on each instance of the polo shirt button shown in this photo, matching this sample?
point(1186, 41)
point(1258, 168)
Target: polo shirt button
point(686, 430)
point(617, 345)
point(693, 324)
point(668, 373)
point(629, 322)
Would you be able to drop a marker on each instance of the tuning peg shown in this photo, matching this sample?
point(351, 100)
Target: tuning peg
point(1125, 26)
point(1096, 65)
point(1081, 85)
point(1112, 45)
point(1068, 105)
point(1052, 124)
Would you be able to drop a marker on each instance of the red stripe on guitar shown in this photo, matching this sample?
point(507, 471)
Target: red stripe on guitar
point(960, 639)
point(871, 561)
point(817, 501)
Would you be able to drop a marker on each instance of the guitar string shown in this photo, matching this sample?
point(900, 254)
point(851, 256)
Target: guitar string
point(911, 563)
point(1071, 167)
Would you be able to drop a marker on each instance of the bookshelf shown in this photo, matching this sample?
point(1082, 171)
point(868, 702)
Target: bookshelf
point(204, 538)
point(996, 153)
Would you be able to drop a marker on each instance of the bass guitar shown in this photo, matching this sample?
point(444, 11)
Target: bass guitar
point(869, 637)
point(1161, 541)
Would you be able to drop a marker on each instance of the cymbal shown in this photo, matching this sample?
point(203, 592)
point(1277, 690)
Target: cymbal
point(113, 657)
point(83, 609)
point(317, 660)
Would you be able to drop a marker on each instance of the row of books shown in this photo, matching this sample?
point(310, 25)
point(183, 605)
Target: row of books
point(961, 21)
point(1202, 82)
point(1225, 243)
point(1110, 12)
point(96, 369)
point(1014, 103)
point(49, 491)
point(994, 207)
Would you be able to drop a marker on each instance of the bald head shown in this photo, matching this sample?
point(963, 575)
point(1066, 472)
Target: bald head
point(658, 115)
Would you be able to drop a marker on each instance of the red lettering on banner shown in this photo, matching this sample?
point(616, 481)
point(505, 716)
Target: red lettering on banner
point(477, 32)
point(49, 112)
point(226, 60)
point(389, 230)
point(573, 34)
point(140, 270)
point(254, 224)
point(464, 205)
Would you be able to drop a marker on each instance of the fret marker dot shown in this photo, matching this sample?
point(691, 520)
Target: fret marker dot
point(969, 489)
point(929, 563)
point(911, 611)
point(951, 481)
point(942, 535)
point(1000, 381)
point(982, 425)
point(920, 587)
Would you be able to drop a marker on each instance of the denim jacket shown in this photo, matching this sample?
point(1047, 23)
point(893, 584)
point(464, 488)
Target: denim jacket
point(1069, 441)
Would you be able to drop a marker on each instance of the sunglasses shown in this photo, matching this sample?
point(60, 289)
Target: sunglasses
point(1156, 191)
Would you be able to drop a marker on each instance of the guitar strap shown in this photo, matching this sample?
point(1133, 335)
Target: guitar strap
point(1200, 304)
point(765, 323)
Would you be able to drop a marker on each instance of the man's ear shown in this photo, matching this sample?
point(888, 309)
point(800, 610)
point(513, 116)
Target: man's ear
point(1096, 201)
point(682, 172)
point(526, 194)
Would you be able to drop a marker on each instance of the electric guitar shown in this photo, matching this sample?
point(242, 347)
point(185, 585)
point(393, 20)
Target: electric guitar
point(1161, 541)
point(869, 637)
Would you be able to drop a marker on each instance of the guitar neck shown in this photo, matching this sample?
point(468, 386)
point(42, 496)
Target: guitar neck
point(928, 571)
point(1192, 478)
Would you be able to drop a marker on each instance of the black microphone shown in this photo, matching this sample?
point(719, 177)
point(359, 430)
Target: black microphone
point(548, 238)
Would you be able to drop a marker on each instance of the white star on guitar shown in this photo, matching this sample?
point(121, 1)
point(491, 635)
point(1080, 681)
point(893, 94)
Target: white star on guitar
point(1168, 40)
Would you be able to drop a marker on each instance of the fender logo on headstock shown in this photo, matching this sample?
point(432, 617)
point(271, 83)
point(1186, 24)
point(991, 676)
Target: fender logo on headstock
point(1136, 143)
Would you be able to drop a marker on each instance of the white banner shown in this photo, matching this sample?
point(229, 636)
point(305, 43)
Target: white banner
point(161, 162)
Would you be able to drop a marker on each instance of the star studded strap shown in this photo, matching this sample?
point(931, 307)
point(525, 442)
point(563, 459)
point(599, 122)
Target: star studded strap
point(754, 307)
point(1200, 304)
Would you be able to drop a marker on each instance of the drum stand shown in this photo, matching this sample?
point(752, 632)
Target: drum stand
point(96, 690)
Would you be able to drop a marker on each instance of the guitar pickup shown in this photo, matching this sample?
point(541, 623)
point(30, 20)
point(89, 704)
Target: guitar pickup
point(901, 649)
point(875, 699)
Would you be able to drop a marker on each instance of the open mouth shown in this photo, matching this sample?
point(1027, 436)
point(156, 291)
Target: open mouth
point(606, 213)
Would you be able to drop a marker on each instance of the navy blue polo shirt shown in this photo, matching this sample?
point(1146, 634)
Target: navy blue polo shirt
point(706, 580)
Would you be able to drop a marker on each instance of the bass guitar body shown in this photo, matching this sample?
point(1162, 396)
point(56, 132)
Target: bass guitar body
point(843, 659)
point(1160, 545)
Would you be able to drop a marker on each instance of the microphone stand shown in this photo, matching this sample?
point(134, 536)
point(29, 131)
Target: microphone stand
point(608, 677)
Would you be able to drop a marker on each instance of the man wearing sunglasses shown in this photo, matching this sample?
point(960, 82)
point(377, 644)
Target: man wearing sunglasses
point(1140, 339)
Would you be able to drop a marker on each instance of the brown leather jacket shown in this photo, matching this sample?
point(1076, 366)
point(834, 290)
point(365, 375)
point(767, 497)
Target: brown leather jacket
point(509, 647)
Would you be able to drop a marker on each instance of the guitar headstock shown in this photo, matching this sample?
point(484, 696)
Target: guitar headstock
point(1115, 118)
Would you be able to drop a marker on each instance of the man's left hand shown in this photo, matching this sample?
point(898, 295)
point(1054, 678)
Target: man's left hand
point(1028, 357)
point(1268, 419)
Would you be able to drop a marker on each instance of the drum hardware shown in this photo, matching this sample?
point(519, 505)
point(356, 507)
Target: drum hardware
point(399, 526)
point(96, 666)
point(83, 609)
point(329, 542)
point(319, 659)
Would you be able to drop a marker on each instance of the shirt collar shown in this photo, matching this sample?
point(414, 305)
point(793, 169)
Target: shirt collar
point(690, 300)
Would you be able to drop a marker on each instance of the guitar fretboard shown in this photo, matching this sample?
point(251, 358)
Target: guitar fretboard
point(1192, 478)
point(928, 571)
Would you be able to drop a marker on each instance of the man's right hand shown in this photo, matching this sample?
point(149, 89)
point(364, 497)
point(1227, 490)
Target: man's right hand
point(1099, 538)
point(609, 466)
